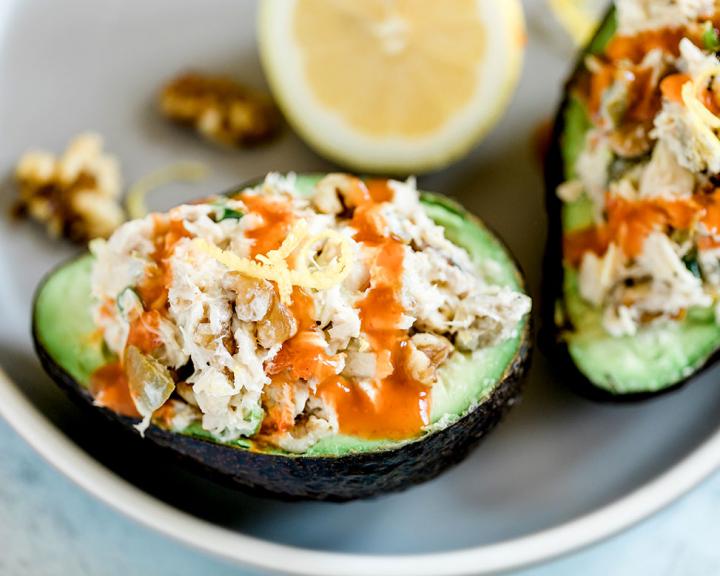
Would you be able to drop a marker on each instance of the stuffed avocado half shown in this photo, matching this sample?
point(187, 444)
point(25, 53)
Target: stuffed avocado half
point(304, 336)
point(633, 262)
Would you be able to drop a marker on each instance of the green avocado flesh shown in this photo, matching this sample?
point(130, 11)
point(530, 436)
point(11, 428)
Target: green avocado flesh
point(64, 328)
point(656, 358)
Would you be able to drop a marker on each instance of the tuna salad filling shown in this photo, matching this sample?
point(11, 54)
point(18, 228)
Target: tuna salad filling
point(641, 209)
point(287, 318)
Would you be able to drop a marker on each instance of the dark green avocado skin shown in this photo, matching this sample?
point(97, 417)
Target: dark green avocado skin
point(551, 341)
point(335, 479)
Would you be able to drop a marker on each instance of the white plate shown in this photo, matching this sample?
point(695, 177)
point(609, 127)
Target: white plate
point(559, 473)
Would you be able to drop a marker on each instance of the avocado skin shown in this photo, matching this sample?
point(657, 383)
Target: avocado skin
point(334, 479)
point(550, 341)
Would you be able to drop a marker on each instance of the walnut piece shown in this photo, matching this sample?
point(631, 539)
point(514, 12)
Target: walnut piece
point(76, 194)
point(278, 325)
point(424, 354)
point(220, 109)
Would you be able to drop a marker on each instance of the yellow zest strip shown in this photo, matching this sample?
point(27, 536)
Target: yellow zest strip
point(704, 121)
point(333, 274)
point(274, 266)
point(691, 92)
point(181, 171)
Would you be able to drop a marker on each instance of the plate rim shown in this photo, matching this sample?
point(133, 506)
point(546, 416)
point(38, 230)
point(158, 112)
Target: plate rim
point(74, 463)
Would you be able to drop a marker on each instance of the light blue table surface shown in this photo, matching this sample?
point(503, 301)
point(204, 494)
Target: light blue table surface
point(49, 526)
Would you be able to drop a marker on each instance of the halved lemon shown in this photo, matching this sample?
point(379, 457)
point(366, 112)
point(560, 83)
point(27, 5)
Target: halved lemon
point(393, 86)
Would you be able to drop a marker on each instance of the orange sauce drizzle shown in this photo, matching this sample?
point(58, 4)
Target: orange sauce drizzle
point(630, 222)
point(644, 100)
point(277, 219)
point(710, 218)
point(599, 82)
point(153, 289)
point(634, 48)
point(143, 332)
point(671, 87)
point(303, 355)
point(401, 406)
point(278, 400)
point(367, 220)
point(164, 415)
point(109, 387)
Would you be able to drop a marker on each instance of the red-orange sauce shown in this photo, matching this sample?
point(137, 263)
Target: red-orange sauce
point(277, 219)
point(599, 82)
point(164, 415)
point(710, 218)
point(671, 87)
point(303, 355)
point(367, 219)
point(630, 222)
point(109, 387)
point(576, 243)
point(302, 309)
point(644, 100)
point(636, 47)
point(399, 410)
point(278, 403)
point(143, 332)
point(153, 289)
point(401, 406)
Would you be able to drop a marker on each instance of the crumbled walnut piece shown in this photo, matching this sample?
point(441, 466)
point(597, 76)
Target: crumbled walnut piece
point(278, 325)
point(336, 191)
point(254, 297)
point(74, 195)
point(220, 109)
point(425, 353)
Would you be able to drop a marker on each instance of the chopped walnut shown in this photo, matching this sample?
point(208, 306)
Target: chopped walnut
point(254, 297)
point(425, 353)
point(278, 325)
point(74, 195)
point(220, 109)
point(336, 191)
point(186, 393)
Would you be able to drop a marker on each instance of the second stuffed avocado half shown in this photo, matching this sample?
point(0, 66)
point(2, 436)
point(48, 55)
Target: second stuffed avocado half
point(309, 336)
point(632, 271)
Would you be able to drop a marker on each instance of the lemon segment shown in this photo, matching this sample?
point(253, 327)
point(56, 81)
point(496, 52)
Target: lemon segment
point(392, 85)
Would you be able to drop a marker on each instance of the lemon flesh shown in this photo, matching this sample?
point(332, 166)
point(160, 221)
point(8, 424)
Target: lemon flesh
point(392, 85)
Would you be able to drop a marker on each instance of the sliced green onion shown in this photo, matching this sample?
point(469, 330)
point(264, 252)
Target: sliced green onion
point(711, 38)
